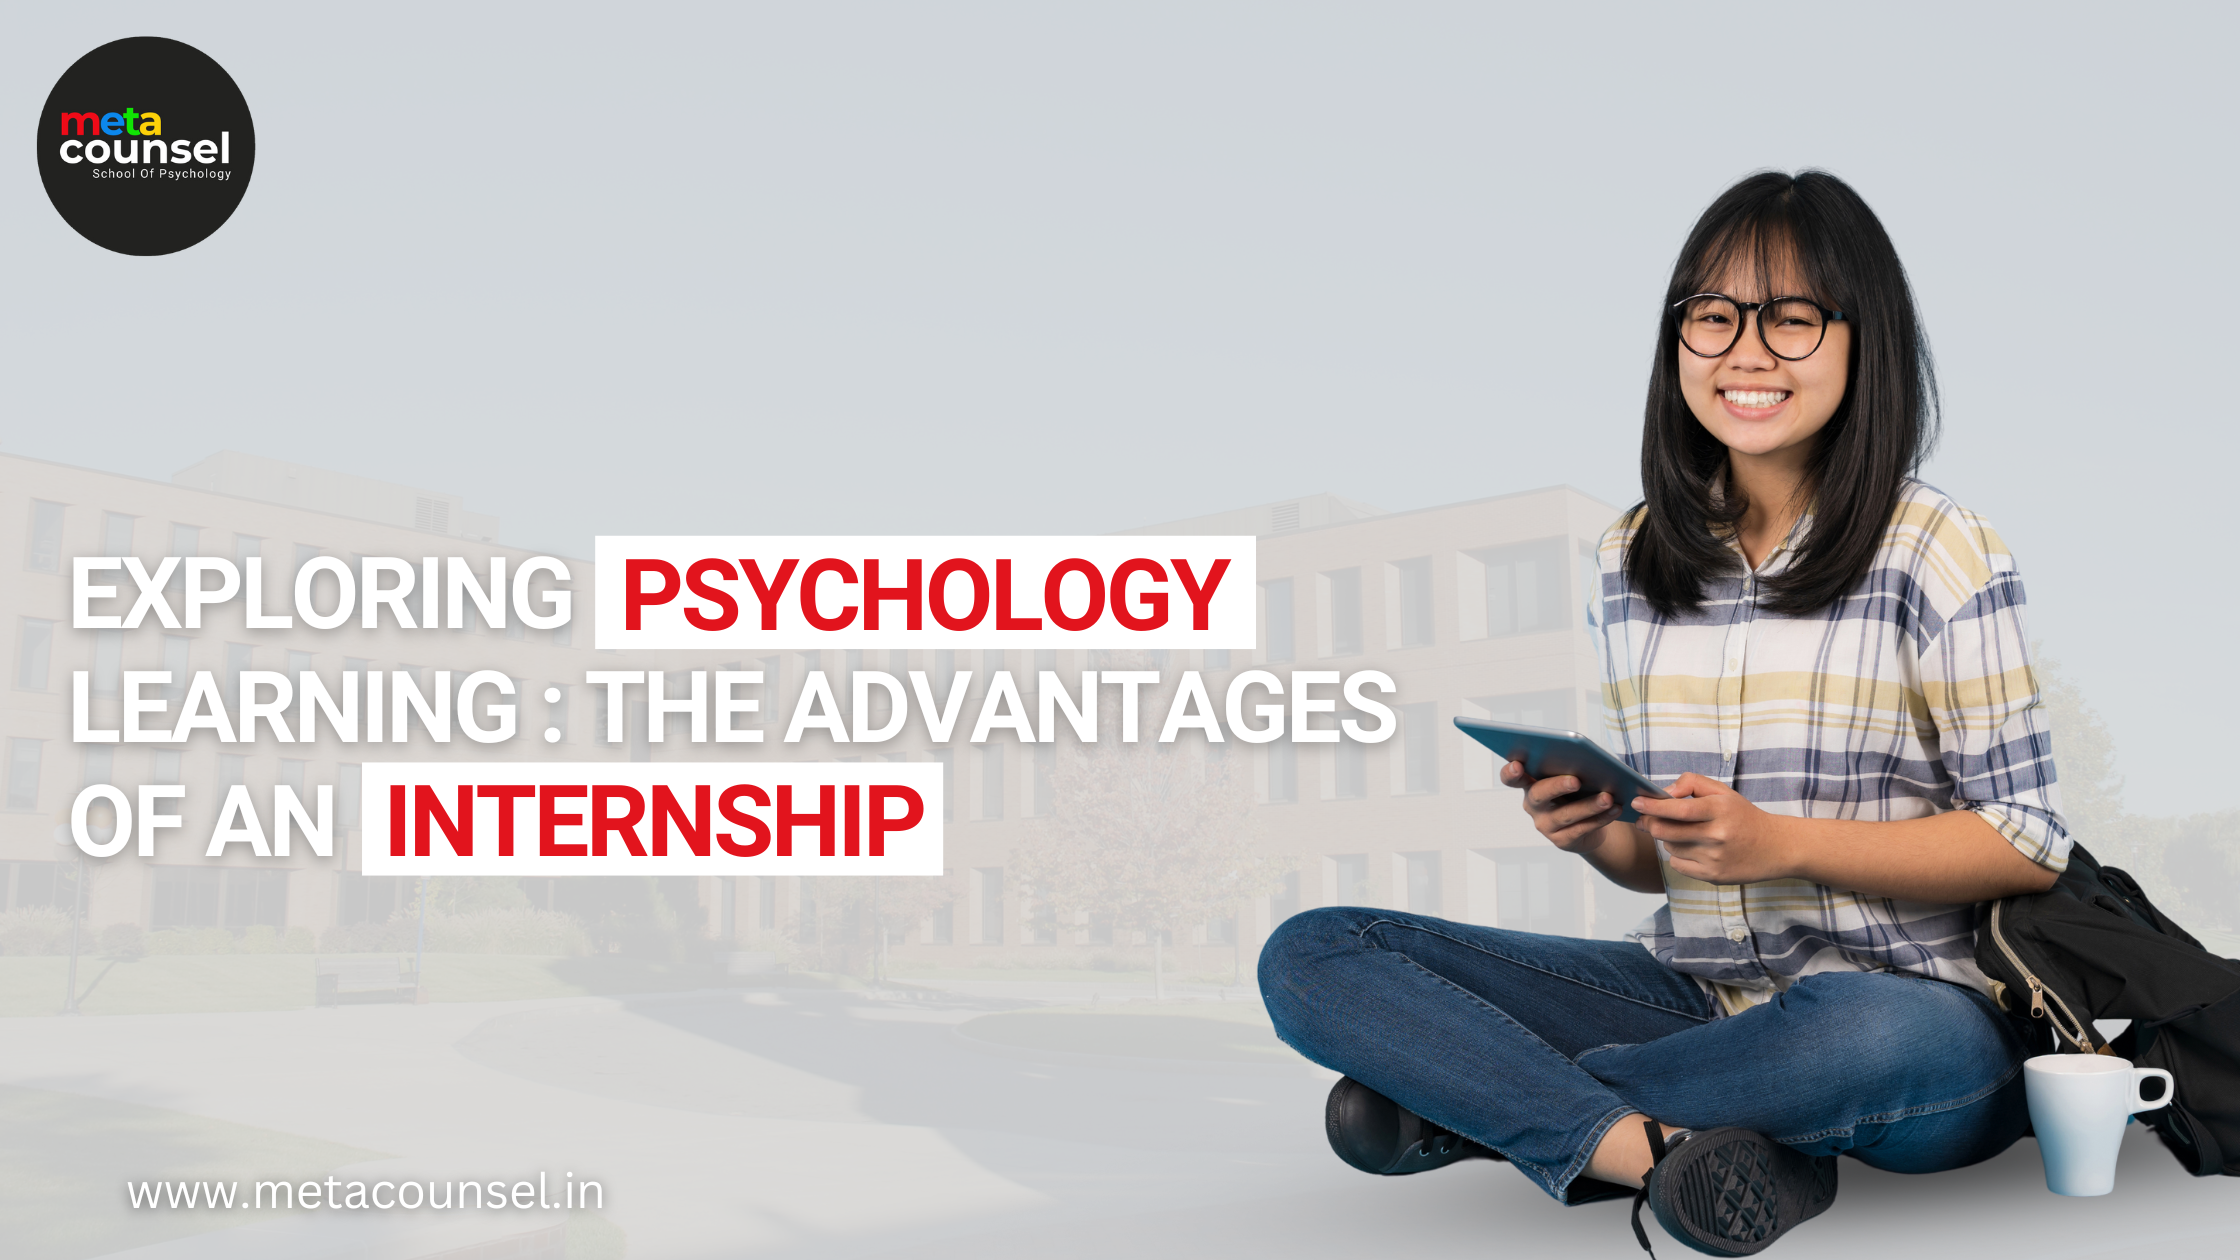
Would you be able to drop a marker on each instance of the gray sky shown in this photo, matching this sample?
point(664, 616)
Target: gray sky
point(1034, 268)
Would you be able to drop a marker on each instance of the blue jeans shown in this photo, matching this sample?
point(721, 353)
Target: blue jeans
point(1535, 1045)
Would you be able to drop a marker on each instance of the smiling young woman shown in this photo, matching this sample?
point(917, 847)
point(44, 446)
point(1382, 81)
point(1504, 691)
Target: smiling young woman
point(1823, 661)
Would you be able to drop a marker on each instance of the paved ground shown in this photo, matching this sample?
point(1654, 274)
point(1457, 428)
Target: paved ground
point(789, 1123)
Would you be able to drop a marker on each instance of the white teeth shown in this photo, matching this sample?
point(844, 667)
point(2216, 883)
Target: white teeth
point(1755, 397)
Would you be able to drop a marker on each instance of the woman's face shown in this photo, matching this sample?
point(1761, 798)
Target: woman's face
point(1757, 404)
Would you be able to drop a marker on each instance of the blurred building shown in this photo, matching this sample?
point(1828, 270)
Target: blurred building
point(1473, 608)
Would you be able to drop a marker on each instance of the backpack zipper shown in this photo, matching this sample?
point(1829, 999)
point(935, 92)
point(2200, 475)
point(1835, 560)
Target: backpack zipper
point(2039, 994)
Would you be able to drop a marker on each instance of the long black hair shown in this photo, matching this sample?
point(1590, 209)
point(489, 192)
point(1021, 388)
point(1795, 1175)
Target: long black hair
point(1814, 228)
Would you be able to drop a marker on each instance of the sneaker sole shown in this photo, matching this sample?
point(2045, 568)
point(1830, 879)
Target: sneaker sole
point(1732, 1192)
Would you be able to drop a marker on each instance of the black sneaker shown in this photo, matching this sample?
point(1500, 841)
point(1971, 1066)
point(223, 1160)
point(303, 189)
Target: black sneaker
point(1377, 1135)
point(1731, 1192)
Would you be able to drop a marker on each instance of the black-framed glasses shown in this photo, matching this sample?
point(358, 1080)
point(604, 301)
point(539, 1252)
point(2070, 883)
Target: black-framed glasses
point(1791, 328)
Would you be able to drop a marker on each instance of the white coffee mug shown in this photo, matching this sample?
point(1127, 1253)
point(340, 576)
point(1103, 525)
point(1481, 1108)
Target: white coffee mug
point(2079, 1104)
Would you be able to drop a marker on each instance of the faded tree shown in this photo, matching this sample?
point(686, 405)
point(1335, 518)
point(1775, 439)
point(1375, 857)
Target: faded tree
point(2084, 756)
point(1148, 837)
point(848, 907)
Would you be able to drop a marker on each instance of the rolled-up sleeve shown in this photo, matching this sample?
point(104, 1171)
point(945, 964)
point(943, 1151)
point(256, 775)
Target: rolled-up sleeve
point(1994, 738)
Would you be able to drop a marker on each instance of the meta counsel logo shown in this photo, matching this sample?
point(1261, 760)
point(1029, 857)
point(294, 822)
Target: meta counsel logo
point(146, 146)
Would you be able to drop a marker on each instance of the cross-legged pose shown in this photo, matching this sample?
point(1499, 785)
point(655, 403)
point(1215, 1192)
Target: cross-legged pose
point(1824, 662)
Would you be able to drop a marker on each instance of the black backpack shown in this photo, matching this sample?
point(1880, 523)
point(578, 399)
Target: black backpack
point(2093, 947)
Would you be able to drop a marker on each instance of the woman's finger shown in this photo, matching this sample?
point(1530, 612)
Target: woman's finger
point(1678, 809)
point(1569, 832)
point(1579, 811)
point(1551, 789)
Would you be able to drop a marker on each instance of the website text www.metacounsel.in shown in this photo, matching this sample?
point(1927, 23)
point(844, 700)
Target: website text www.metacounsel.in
point(567, 1193)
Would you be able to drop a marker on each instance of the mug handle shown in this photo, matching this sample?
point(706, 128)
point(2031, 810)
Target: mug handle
point(2139, 1077)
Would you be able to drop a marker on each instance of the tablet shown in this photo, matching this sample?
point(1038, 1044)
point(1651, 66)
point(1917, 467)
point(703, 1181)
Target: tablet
point(1545, 751)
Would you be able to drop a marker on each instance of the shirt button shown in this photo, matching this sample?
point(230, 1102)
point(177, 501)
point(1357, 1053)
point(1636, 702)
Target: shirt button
point(1738, 935)
point(1734, 662)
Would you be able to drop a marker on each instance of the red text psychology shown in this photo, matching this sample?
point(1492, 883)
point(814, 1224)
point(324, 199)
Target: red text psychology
point(1092, 592)
point(603, 818)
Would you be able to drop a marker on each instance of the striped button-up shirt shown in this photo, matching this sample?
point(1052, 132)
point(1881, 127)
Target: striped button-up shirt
point(1910, 696)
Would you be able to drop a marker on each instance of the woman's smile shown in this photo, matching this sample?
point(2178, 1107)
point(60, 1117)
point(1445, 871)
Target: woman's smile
point(1754, 404)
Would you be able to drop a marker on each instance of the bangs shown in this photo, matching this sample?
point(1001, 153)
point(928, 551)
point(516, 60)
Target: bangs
point(1760, 254)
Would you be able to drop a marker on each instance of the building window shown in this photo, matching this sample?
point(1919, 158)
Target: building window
point(1283, 772)
point(349, 786)
point(1045, 781)
point(370, 898)
point(255, 898)
point(1413, 580)
point(1284, 901)
point(39, 884)
point(1342, 591)
point(239, 657)
point(991, 782)
point(291, 776)
point(1217, 659)
point(186, 896)
point(186, 542)
point(23, 772)
point(101, 764)
point(1276, 618)
point(1350, 770)
point(805, 928)
point(108, 661)
point(166, 766)
point(45, 554)
point(556, 712)
point(233, 770)
point(175, 650)
point(1419, 738)
point(1524, 587)
point(1423, 882)
point(34, 652)
point(1349, 879)
point(766, 903)
point(299, 664)
point(1536, 891)
point(246, 547)
point(116, 534)
point(941, 926)
point(991, 904)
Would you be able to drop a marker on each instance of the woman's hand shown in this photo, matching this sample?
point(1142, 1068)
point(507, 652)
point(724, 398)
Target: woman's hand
point(1568, 819)
point(1712, 833)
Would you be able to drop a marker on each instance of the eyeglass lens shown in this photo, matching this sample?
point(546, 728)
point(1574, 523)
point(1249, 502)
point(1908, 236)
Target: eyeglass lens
point(1792, 328)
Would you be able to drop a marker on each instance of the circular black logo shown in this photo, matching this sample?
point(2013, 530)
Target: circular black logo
point(146, 146)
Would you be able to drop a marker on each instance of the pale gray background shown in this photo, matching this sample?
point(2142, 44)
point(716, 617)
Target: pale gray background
point(1060, 268)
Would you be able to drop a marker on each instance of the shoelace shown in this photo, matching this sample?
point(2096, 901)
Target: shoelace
point(1657, 1149)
